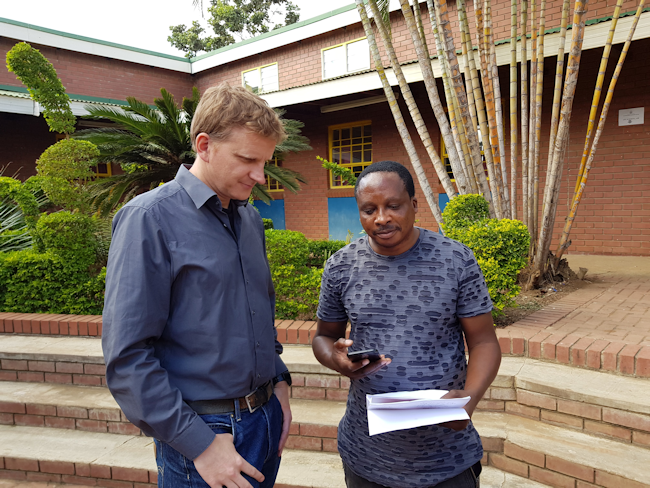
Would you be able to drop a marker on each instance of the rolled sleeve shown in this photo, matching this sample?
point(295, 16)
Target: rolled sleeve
point(136, 310)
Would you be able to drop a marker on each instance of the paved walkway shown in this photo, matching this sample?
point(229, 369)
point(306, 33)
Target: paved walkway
point(603, 326)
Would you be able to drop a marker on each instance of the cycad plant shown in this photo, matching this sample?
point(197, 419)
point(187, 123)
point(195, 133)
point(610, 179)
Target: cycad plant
point(151, 143)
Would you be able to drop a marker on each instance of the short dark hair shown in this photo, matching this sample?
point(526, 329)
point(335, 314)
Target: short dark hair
point(388, 167)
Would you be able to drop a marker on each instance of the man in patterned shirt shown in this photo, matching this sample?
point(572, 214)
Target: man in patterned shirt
point(412, 294)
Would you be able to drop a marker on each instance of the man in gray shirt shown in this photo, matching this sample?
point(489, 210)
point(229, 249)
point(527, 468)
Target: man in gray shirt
point(191, 351)
point(412, 294)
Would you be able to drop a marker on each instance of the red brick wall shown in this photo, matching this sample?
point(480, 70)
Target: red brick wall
point(98, 76)
point(614, 216)
point(300, 63)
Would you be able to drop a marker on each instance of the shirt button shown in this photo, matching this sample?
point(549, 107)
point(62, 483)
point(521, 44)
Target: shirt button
point(259, 375)
point(247, 282)
point(253, 312)
point(258, 344)
point(225, 226)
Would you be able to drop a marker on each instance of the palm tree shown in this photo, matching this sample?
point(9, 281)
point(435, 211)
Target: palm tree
point(151, 143)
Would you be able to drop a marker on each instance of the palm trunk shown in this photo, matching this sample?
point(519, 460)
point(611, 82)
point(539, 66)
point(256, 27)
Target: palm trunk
point(496, 86)
point(538, 111)
point(557, 91)
point(478, 95)
point(469, 89)
point(431, 198)
point(452, 103)
point(490, 109)
point(513, 109)
point(460, 94)
point(524, 115)
point(430, 84)
point(599, 86)
point(552, 191)
point(412, 105)
point(532, 210)
point(564, 241)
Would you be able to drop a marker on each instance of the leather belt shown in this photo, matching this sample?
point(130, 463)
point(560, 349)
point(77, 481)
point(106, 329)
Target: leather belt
point(252, 402)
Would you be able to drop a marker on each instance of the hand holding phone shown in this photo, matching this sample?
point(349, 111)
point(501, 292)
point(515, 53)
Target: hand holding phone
point(371, 355)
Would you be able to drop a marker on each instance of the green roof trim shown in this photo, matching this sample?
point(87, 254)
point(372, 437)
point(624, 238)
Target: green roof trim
point(94, 41)
point(281, 30)
point(75, 98)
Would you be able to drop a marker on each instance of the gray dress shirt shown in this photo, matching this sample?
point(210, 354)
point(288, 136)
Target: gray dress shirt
point(189, 309)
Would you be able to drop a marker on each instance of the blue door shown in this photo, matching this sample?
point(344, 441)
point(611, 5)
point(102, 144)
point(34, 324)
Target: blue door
point(273, 211)
point(343, 217)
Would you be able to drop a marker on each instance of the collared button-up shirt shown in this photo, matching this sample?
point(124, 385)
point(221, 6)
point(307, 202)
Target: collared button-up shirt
point(189, 309)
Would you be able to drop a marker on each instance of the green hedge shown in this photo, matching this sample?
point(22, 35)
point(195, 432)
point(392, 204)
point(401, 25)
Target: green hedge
point(296, 268)
point(500, 246)
point(58, 276)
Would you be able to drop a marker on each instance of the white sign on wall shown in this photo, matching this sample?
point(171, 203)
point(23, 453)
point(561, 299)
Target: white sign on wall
point(630, 116)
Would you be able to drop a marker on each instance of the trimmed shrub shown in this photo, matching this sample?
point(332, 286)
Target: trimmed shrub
point(268, 224)
point(320, 251)
point(284, 247)
point(296, 268)
point(57, 276)
point(500, 246)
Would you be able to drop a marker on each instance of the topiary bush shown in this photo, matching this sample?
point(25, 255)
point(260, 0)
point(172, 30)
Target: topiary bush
point(268, 224)
point(59, 275)
point(296, 268)
point(500, 246)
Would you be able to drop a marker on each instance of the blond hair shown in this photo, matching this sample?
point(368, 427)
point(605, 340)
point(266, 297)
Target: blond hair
point(224, 107)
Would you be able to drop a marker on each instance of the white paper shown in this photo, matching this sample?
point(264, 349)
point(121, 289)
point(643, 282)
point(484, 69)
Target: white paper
point(388, 412)
point(631, 116)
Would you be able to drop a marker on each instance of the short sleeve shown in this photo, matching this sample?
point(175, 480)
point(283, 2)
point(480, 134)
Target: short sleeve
point(330, 304)
point(473, 295)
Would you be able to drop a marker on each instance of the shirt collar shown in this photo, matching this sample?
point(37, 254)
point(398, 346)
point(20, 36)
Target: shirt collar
point(198, 191)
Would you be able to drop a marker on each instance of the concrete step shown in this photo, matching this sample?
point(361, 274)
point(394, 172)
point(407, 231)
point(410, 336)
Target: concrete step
point(592, 401)
point(558, 456)
point(113, 460)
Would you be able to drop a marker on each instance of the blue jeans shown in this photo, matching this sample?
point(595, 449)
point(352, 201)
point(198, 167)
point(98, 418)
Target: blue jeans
point(256, 437)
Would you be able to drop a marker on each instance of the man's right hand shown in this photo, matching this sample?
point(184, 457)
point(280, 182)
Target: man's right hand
point(354, 370)
point(221, 465)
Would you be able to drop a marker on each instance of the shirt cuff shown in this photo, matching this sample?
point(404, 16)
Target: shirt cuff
point(194, 440)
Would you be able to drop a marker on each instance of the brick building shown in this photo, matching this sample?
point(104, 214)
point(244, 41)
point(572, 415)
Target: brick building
point(321, 73)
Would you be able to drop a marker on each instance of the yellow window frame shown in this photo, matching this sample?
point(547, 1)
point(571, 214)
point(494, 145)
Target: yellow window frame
point(259, 70)
point(444, 156)
point(273, 185)
point(322, 52)
point(339, 127)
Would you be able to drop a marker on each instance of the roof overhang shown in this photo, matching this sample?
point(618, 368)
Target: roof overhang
point(595, 37)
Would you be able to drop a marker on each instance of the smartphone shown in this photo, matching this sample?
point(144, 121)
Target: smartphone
point(370, 354)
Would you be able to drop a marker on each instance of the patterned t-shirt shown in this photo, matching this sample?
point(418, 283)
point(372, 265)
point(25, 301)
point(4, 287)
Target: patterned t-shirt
point(406, 306)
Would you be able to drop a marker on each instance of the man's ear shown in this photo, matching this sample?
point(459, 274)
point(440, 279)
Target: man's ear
point(414, 202)
point(202, 143)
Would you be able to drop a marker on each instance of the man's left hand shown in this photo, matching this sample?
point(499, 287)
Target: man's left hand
point(457, 424)
point(281, 391)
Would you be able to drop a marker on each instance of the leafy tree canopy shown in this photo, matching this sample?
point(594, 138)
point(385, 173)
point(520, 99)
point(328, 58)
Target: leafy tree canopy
point(39, 76)
point(232, 21)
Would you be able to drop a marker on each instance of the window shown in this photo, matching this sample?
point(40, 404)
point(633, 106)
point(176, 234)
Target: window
point(103, 170)
point(350, 146)
point(346, 58)
point(271, 183)
point(261, 80)
point(445, 157)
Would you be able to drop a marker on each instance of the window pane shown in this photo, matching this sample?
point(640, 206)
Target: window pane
point(357, 141)
point(336, 135)
point(367, 156)
point(345, 157)
point(358, 55)
point(345, 134)
point(367, 130)
point(270, 78)
point(334, 62)
point(356, 156)
point(252, 80)
point(356, 131)
point(335, 156)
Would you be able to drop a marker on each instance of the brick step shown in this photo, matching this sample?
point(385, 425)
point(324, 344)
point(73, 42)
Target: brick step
point(593, 401)
point(558, 456)
point(122, 461)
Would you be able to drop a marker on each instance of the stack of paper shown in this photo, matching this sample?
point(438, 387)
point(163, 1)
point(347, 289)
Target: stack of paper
point(409, 409)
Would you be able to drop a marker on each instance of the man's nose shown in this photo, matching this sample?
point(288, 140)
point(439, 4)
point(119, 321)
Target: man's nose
point(257, 174)
point(381, 217)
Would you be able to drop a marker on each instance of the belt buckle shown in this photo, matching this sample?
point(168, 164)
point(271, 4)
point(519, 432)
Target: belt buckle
point(251, 409)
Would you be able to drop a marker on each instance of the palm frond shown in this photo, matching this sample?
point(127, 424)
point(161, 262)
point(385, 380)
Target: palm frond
point(260, 192)
point(288, 178)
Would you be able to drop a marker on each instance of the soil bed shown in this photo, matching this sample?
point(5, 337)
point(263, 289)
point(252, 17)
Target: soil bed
point(533, 300)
